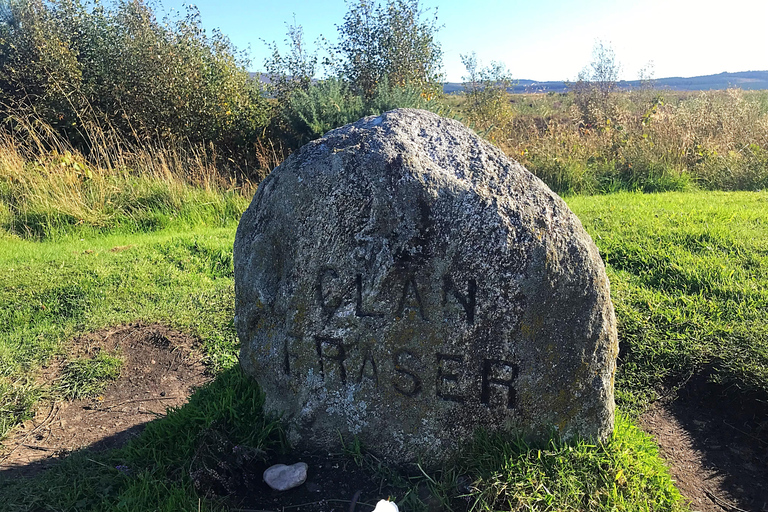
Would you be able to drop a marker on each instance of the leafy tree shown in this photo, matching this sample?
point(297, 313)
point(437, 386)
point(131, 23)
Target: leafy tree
point(391, 42)
point(487, 101)
point(387, 59)
point(38, 67)
point(645, 75)
point(92, 70)
point(294, 70)
point(595, 86)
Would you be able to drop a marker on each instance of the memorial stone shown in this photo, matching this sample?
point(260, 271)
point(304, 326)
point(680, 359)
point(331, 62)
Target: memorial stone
point(403, 281)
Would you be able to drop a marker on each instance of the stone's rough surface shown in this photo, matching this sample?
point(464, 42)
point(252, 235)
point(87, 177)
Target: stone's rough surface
point(281, 477)
point(402, 281)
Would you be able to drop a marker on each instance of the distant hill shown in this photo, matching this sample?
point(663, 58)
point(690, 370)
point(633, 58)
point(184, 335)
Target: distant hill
point(740, 80)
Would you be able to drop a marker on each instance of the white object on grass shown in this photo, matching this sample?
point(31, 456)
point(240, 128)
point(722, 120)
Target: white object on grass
point(386, 506)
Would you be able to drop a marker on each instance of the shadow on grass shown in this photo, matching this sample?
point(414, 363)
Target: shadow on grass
point(209, 454)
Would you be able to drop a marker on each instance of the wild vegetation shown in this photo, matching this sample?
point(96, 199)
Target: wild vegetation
point(648, 140)
point(119, 129)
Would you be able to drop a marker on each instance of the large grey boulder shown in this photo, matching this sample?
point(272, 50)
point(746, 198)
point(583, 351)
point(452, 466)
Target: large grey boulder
point(403, 281)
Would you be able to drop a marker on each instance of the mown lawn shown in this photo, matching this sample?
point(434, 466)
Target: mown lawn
point(689, 281)
point(689, 274)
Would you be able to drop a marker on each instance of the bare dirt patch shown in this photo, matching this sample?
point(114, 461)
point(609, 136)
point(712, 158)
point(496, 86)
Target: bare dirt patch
point(715, 439)
point(160, 370)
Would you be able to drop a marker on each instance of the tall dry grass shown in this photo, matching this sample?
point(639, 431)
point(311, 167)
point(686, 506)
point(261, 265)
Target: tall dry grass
point(650, 140)
point(47, 187)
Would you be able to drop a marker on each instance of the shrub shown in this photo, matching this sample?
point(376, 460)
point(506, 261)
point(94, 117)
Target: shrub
point(488, 108)
point(100, 75)
point(322, 107)
point(331, 103)
point(594, 90)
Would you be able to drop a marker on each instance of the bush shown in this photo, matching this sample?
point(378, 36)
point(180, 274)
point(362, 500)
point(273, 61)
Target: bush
point(100, 75)
point(331, 103)
point(322, 107)
point(594, 90)
point(488, 109)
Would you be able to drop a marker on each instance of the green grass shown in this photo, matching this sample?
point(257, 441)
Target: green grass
point(625, 473)
point(153, 471)
point(52, 291)
point(688, 278)
point(86, 377)
point(689, 281)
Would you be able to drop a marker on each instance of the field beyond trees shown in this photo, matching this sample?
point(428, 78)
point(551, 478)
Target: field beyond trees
point(130, 145)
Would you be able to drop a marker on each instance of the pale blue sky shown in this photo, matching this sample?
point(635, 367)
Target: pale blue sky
point(537, 39)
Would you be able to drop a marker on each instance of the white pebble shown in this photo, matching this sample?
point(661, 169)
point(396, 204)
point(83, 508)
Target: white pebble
point(281, 477)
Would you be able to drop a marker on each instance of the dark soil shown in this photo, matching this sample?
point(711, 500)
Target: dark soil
point(715, 439)
point(160, 370)
point(335, 483)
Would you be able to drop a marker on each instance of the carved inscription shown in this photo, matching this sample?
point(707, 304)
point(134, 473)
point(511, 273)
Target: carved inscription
point(498, 379)
point(344, 364)
point(331, 292)
point(287, 356)
point(407, 382)
point(447, 385)
point(368, 369)
point(359, 310)
point(333, 351)
point(338, 363)
point(467, 300)
point(411, 298)
point(329, 302)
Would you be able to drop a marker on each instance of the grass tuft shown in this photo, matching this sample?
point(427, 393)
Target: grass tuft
point(87, 377)
point(623, 474)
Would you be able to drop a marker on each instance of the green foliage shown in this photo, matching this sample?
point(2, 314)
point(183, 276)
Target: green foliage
point(86, 377)
point(330, 103)
point(293, 71)
point(323, 106)
point(101, 75)
point(593, 92)
point(487, 105)
point(623, 474)
point(389, 42)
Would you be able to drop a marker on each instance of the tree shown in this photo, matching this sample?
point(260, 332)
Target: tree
point(645, 75)
point(95, 71)
point(488, 108)
point(391, 44)
point(293, 71)
point(595, 85)
point(603, 72)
